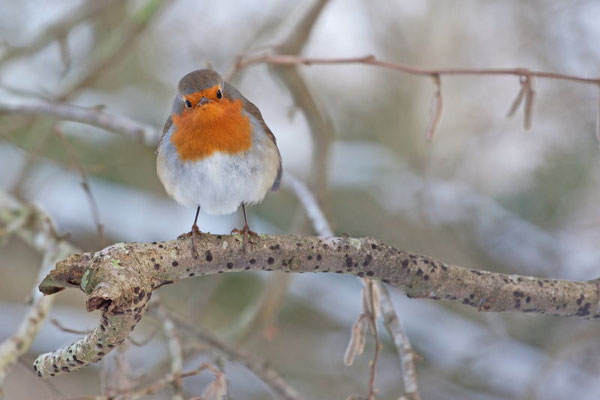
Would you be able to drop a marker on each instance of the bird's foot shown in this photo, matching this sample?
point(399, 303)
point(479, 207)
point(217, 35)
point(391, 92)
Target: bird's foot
point(195, 231)
point(246, 232)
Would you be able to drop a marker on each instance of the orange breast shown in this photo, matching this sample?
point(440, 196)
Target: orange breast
point(219, 126)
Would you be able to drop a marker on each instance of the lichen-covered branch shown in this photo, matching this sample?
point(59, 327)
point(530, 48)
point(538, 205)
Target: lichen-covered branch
point(120, 279)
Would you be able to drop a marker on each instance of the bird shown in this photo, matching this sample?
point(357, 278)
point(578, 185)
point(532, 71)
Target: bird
point(216, 152)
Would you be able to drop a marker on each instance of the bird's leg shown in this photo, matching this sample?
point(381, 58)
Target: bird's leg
point(195, 230)
point(192, 234)
point(246, 229)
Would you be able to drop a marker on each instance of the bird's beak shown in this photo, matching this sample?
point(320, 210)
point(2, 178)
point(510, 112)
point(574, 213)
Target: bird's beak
point(203, 101)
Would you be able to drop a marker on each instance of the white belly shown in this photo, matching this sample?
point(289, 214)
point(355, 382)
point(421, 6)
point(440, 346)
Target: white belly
point(220, 182)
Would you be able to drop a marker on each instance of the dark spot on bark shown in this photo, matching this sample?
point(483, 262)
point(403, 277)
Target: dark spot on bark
point(583, 311)
point(540, 284)
point(193, 274)
point(319, 257)
point(518, 293)
point(247, 268)
point(316, 267)
point(472, 296)
point(160, 246)
point(519, 279)
point(419, 272)
point(373, 246)
point(100, 354)
point(466, 301)
point(426, 277)
point(219, 237)
point(367, 261)
point(518, 303)
point(154, 242)
point(274, 247)
point(208, 256)
point(360, 274)
point(65, 369)
point(270, 260)
point(174, 263)
point(404, 263)
point(157, 266)
point(385, 280)
point(527, 299)
point(505, 280)
point(136, 290)
point(349, 261)
point(141, 295)
point(426, 261)
point(229, 265)
point(370, 273)
point(309, 258)
point(153, 259)
point(339, 272)
point(40, 374)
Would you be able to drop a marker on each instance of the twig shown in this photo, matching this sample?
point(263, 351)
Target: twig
point(372, 60)
point(405, 351)
point(85, 183)
point(371, 298)
point(280, 388)
point(59, 29)
point(175, 349)
point(310, 204)
point(437, 108)
point(119, 281)
point(139, 22)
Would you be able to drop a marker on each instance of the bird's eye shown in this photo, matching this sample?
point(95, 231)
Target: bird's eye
point(188, 103)
point(219, 94)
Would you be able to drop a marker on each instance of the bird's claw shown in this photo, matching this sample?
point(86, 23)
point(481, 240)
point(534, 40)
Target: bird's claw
point(195, 231)
point(245, 231)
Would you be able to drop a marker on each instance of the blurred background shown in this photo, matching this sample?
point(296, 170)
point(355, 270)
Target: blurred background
point(485, 193)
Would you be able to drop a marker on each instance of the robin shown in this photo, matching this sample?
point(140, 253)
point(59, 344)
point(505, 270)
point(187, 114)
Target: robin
point(216, 151)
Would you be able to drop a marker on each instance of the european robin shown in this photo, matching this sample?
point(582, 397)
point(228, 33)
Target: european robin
point(216, 151)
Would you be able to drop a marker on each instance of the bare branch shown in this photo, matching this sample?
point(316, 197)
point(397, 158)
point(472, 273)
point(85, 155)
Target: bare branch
point(92, 116)
point(372, 60)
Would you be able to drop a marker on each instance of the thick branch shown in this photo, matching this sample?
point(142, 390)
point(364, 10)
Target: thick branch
point(120, 279)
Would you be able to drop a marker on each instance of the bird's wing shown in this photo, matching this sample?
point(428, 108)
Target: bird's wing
point(166, 128)
point(255, 112)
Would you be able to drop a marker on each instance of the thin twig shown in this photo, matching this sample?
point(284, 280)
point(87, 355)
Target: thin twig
point(85, 183)
point(371, 60)
point(405, 351)
point(175, 348)
point(309, 202)
point(280, 388)
point(437, 107)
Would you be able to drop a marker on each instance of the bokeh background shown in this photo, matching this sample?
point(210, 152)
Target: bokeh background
point(485, 193)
